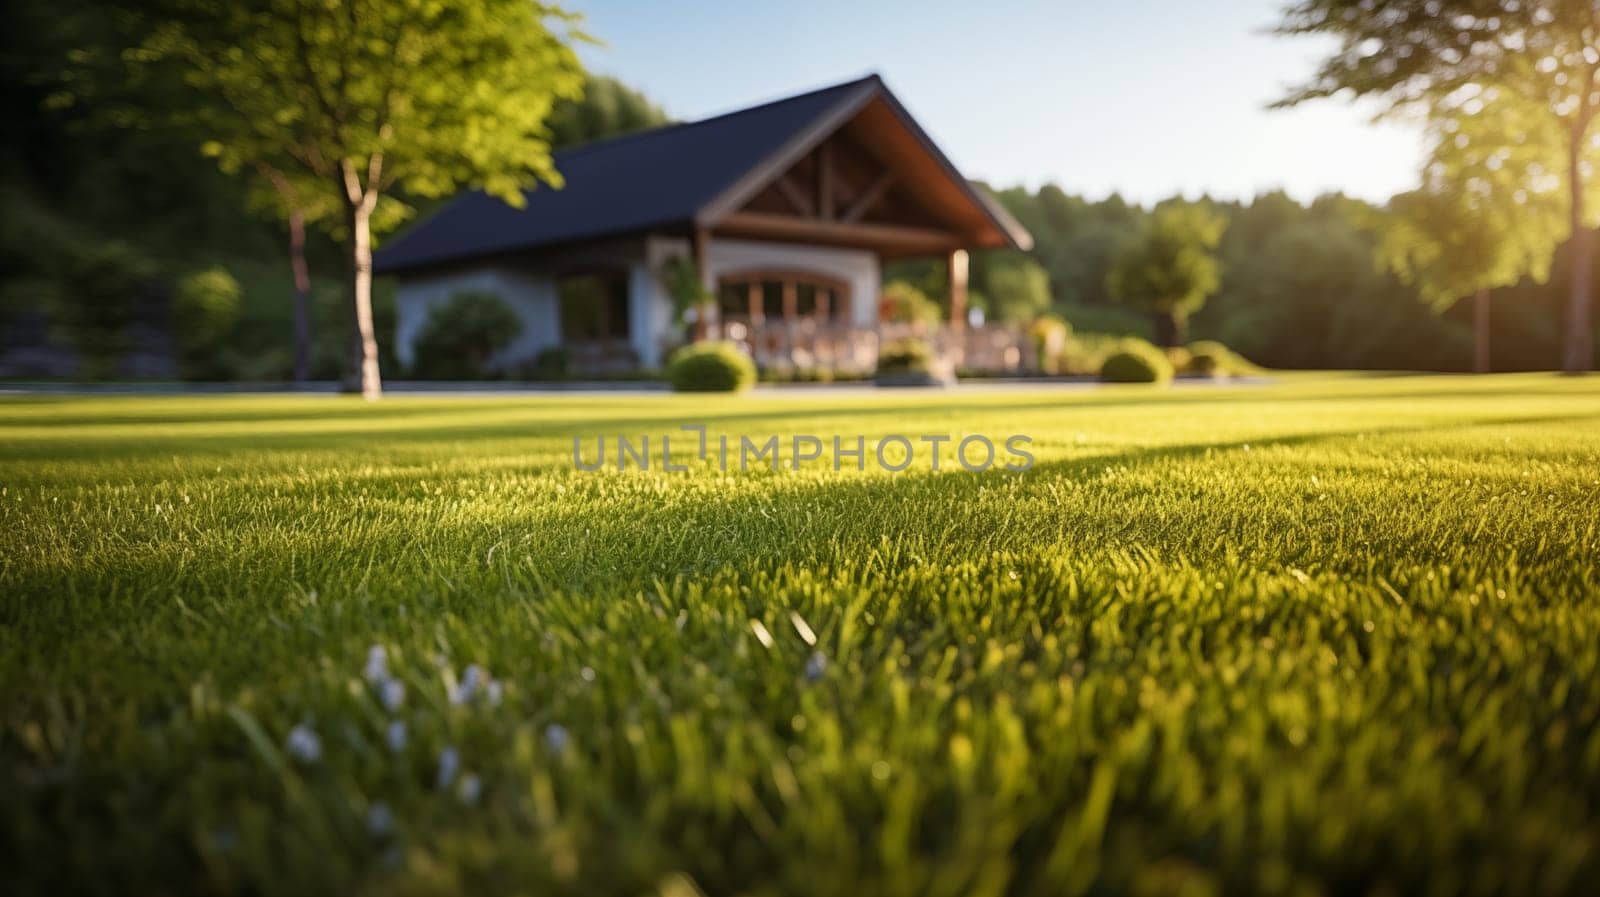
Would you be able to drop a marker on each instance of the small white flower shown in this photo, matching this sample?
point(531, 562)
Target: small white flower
point(392, 693)
point(449, 765)
point(816, 665)
point(304, 745)
point(396, 736)
point(587, 673)
point(556, 738)
point(469, 789)
point(380, 819)
point(377, 664)
point(495, 692)
point(471, 678)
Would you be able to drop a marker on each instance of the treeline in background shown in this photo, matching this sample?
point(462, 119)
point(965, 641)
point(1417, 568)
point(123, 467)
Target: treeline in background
point(126, 254)
point(1300, 286)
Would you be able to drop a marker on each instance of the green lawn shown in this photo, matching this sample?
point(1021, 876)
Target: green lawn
point(1335, 635)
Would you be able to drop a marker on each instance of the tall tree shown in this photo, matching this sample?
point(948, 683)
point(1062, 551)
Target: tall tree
point(1443, 54)
point(294, 205)
point(363, 97)
point(1169, 268)
point(1485, 217)
point(1016, 288)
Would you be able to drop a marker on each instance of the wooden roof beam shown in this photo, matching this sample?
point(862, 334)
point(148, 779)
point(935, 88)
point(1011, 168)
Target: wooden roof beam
point(796, 196)
point(883, 237)
point(868, 199)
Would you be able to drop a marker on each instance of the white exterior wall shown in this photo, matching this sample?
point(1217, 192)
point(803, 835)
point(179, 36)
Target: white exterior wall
point(856, 267)
point(531, 295)
point(530, 290)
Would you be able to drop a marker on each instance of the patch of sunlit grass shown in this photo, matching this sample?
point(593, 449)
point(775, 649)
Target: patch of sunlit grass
point(1334, 634)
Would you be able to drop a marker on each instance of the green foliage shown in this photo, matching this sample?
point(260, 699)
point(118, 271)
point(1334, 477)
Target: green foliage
point(1136, 361)
point(681, 276)
point(905, 356)
point(1049, 334)
point(97, 298)
point(607, 108)
point(462, 334)
point(711, 367)
point(1486, 216)
point(1530, 65)
point(356, 100)
point(904, 303)
point(1086, 352)
point(1074, 239)
point(1300, 290)
point(429, 97)
point(1538, 55)
point(1209, 358)
point(205, 307)
point(1170, 268)
point(1299, 285)
point(1016, 289)
point(554, 363)
point(1331, 635)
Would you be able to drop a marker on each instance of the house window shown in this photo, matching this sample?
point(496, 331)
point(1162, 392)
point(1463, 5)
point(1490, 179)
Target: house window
point(594, 306)
point(774, 296)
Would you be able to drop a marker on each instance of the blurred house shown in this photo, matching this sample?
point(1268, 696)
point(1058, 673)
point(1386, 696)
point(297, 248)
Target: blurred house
point(788, 210)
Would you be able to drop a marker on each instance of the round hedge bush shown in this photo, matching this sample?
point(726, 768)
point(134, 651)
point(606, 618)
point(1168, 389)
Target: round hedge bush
point(463, 334)
point(1136, 363)
point(1209, 358)
point(1180, 358)
point(1204, 364)
point(905, 356)
point(710, 367)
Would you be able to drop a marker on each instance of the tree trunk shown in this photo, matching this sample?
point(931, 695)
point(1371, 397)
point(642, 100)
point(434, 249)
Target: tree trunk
point(1480, 331)
point(302, 296)
point(364, 353)
point(1169, 329)
point(1577, 353)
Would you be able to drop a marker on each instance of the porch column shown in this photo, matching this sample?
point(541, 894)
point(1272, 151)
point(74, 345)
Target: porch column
point(956, 265)
point(790, 302)
point(758, 315)
point(703, 325)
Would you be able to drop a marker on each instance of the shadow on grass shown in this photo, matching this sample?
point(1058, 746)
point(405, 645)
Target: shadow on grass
point(650, 535)
point(339, 426)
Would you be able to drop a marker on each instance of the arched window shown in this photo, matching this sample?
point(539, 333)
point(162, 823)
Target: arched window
point(761, 297)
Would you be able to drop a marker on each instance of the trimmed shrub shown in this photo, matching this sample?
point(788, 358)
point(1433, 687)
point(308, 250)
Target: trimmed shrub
point(1179, 358)
point(1049, 334)
point(1209, 358)
point(462, 334)
point(1136, 362)
point(906, 304)
point(905, 356)
point(554, 363)
point(710, 367)
point(97, 297)
point(1205, 364)
point(205, 306)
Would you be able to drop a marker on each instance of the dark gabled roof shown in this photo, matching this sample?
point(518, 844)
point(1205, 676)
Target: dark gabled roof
point(658, 178)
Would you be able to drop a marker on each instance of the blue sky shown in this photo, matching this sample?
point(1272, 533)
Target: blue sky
point(1144, 97)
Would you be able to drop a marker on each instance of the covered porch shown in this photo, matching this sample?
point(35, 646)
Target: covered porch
point(863, 184)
